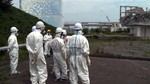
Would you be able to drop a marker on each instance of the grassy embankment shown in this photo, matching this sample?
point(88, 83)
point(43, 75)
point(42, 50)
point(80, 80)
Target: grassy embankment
point(23, 21)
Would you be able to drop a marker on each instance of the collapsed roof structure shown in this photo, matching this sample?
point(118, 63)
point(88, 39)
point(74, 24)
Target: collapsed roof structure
point(133, 15)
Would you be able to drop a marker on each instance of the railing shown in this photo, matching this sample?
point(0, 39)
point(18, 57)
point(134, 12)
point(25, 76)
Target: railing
point(6, 47)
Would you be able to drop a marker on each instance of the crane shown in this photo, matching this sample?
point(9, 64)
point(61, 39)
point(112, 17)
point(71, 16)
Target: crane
point(105, 15)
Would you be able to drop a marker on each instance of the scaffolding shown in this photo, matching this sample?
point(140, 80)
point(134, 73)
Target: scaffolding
point(124, 9)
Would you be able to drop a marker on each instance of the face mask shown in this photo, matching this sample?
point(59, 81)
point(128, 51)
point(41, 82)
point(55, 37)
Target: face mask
point(17, 34)
point(43, 30)
point(49, 33)
point(61, 34)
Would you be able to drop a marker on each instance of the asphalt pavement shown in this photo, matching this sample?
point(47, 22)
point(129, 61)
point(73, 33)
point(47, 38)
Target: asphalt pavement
point(102, 71)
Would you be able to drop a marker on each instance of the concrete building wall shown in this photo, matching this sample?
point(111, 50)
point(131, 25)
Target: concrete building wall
point(147, 32)
point(49, 11)
point(133, 31)
point(140, 31)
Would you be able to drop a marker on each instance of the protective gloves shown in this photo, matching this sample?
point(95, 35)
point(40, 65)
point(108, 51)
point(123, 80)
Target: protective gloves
point(33, 60)
point(88, 60)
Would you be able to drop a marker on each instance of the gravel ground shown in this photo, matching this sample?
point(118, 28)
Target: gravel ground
point(102, 71)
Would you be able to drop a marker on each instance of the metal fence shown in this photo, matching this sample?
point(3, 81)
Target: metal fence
point(6, 47)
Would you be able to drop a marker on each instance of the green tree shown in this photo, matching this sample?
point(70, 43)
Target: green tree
point(5, 4)
point(92, 31)
point(97, 30)
point(85, 31)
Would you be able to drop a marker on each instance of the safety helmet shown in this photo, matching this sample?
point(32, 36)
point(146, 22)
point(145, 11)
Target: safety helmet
point(78, 26)
point(40, 25)
point(33, 28)
point(48, 30)
point(13, 29)
point(59, 30)
point(64, 32)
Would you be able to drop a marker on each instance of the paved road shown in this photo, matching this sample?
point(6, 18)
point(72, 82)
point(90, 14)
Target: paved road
point(102, 71)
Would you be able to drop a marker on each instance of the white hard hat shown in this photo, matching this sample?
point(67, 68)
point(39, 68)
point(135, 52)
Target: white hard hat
point(78, 26)
point(59, 30)
point(64, 32)
point(13, 29)
point(40, 25)
point(33, 28)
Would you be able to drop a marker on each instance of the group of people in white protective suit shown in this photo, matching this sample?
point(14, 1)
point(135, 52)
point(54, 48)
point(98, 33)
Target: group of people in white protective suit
point(47, 42)
point(69, 52)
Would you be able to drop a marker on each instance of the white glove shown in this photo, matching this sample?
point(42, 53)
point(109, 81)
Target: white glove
point(88, 61)
point(8, 51)
point(33, 60)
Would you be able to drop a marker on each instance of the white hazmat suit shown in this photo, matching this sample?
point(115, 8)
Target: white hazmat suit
point(37, 62)
point(66, 40)
point(60, 66)
point(33, 28)
point(47, 46)
point(79, 52)
point(13, 50)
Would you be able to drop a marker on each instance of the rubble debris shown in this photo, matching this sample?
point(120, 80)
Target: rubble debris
point(136, 15)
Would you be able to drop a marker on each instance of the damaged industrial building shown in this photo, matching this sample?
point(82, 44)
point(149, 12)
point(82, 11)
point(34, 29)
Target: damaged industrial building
point(137, 19)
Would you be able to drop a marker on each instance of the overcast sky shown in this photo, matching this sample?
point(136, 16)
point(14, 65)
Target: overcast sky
point(96, 10)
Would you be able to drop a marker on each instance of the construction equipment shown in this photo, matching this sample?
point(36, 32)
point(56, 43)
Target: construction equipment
point(105, 15)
